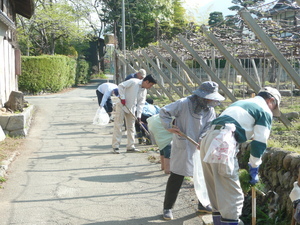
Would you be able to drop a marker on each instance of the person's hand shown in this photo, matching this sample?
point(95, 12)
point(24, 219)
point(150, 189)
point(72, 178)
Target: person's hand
point(253, 174)
point(175, 130)
point(123, 101)
point(139, 120)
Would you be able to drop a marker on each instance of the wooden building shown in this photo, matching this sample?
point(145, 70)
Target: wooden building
point(10, 56)
point(287, 14)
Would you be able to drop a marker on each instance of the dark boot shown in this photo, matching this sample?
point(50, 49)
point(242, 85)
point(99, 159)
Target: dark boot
point(216, 218)
point(229, 222)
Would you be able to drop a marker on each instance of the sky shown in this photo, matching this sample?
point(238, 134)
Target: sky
point(201, 9)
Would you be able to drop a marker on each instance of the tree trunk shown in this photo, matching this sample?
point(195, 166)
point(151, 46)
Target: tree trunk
point(15, 102)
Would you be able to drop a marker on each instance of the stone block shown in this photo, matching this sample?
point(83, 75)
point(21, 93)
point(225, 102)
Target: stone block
point(15, 122)
point(4, 121)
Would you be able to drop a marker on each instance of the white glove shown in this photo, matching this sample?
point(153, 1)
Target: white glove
point(295, 193)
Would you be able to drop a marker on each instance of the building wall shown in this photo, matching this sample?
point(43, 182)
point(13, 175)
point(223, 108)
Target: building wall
point(8, 78)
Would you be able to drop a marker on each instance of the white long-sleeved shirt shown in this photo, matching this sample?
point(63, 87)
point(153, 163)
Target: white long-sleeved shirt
point(135, 96)
point(106, 89)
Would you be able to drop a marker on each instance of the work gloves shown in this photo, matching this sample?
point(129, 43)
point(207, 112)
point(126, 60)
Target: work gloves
point(253, 174)
point(123, 101)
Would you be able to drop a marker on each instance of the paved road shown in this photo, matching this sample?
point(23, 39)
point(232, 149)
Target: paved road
point(66, 173)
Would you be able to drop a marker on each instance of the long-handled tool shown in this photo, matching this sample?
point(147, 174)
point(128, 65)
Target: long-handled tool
point(188, 138)
point(147, 132)
point(253, 205)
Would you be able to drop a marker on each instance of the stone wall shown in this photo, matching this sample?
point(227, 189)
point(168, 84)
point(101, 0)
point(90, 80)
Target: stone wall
point(16, 125)
point(278, 172)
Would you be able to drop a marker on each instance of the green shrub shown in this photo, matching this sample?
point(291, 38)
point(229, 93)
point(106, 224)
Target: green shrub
point(46, 73)
point(82, 72)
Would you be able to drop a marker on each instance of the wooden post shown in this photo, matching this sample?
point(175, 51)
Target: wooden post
point(253, 206)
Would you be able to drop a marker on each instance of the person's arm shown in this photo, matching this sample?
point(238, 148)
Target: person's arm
point(141, 99)
point(258, 145)
point(167, 115)
point(106, 95)
point(123, 86)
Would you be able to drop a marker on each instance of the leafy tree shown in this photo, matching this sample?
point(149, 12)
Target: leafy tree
point(215, 19)
point(247, 4)
point(53, 23)
point(146, 21)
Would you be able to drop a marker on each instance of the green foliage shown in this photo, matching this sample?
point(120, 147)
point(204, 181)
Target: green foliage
point(52, 26)
point(244, 180)
point(82, 72)
point(146, 21)
point(215, 19)
point(47, 73)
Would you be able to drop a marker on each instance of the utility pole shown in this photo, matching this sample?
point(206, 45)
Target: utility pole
point(123, 37)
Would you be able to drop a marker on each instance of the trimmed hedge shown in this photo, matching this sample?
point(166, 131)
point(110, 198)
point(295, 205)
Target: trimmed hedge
point(82, 72)
point(47, 73)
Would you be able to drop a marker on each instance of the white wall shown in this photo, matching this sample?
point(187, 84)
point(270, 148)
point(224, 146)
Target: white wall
point(8, 81)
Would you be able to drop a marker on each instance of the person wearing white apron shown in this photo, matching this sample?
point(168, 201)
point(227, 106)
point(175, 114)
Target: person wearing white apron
point(191, 116)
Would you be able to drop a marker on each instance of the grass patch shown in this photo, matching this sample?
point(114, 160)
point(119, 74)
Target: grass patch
point(8, 146)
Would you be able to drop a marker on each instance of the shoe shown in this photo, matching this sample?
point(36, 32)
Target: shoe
point(148, 141)
point(168, 214)
point(131, 150)
point(203, 209)
point(140, 141)
point(116, 151)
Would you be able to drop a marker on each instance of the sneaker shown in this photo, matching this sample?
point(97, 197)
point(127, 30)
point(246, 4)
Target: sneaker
point(131, 150)
point(116, 151)
point(168, 214)
point(203, 209)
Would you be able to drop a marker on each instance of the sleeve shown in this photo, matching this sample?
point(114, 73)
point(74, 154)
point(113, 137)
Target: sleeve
point(261, 131)
point(168, 112)
point(140, 103)
point(106, 95)
point(122, 87)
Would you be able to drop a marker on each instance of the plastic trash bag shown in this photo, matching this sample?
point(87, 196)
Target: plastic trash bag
point(199, 181)
point(223, 148)
point(101, 117)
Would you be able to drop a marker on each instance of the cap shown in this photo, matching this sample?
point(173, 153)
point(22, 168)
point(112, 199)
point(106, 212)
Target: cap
point(209, 90)
point(275, 93)
point(142, 72)
point(116, 92)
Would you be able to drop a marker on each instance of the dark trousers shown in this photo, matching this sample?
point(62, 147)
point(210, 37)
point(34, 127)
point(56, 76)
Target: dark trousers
point(108, 106)
point(140, 131)
point(173, 186)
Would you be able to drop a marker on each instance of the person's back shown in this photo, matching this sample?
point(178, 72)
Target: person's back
point(150, 109)
point(106, 87)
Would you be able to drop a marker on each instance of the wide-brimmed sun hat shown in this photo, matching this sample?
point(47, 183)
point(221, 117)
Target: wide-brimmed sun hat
point(275, 93)
point(209, 90)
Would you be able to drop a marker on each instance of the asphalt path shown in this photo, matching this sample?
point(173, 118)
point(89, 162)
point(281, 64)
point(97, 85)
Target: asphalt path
point(66, 173)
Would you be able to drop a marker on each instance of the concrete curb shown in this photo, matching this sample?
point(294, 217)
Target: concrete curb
point(4, 165)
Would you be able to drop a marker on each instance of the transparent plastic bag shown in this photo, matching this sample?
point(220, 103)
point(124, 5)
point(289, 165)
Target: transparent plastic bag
point(101, 117)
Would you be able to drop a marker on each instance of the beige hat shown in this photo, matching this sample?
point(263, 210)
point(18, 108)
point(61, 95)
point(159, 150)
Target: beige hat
point(275, 93)
point(142, 72)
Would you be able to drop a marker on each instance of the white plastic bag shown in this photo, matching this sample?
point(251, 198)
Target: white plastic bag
point(101, 117)
point(199, 181)
point(223, 148)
